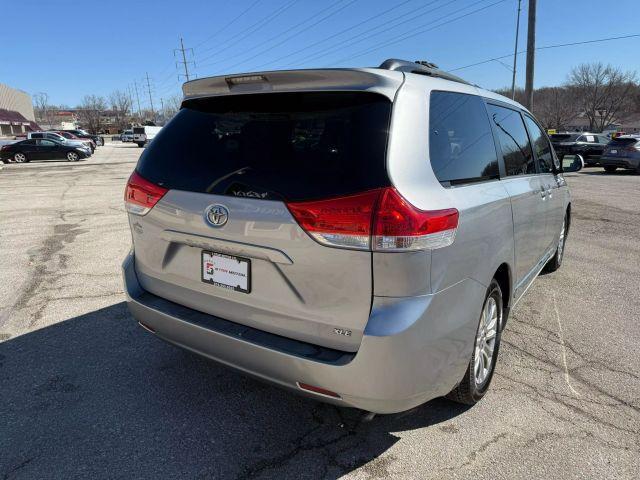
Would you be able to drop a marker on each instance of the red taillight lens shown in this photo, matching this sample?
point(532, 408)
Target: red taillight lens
point(380, 219)
point(401, 226)
point(340, 222)
point(141, 195)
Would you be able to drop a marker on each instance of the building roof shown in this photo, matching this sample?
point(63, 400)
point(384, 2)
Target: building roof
point(13, 117)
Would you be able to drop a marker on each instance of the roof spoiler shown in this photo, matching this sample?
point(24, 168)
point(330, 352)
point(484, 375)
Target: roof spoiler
point(421, 68)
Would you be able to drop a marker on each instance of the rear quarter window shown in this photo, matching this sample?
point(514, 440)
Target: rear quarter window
point(461, 146)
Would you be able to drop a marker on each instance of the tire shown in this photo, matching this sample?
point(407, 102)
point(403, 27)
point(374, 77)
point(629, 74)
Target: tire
point(610, 168)
point(73, 157)
point(20, 157)
point(477, 378)
point(100, 142)
point(140, 144)
point(556, 261)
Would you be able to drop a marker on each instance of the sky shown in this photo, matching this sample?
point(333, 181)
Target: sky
point(69, 49)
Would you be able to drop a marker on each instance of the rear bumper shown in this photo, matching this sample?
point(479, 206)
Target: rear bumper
point(414, 349)
point(621, 162)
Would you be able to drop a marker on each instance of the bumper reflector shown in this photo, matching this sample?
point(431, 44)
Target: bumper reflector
point(321, 391)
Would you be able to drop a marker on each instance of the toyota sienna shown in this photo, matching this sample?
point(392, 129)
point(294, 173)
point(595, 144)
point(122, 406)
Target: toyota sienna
point(356, 235)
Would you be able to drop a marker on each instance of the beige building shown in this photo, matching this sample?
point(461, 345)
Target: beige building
point(16, 111)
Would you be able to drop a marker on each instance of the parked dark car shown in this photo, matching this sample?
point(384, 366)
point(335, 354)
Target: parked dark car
point(622, 152)
point(40, 149)
point(97, 139)
point(588, 145)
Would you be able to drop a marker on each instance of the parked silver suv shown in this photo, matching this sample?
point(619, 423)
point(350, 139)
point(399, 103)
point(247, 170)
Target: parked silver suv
point(356, 235)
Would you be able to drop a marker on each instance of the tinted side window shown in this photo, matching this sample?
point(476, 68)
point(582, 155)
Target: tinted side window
point(541, 146)
point(461, 144)
point(516, 149)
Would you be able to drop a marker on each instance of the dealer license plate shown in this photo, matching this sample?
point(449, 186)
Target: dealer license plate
point(226, 271)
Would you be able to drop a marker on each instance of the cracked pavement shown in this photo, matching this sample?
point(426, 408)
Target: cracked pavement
point(86, 393)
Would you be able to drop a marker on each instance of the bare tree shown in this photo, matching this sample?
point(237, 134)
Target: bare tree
point(120, 104)
point(90, 111)
point(555, 107)
point(41, 103)
point(602, 92)
point(172, 105)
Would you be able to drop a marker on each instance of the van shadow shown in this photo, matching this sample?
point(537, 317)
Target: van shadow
point(96, 397)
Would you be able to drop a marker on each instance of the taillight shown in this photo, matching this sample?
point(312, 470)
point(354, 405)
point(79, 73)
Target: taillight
point(339, 222)
point(141, 195)
point(380, 220)
point(401, 226)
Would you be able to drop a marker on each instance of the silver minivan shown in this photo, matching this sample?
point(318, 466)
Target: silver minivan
point(356, 235)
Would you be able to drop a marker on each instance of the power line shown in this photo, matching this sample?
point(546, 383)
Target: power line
point(150, 99)
point(244, 12)
point(336, 34)
point(546, 47)
point(238, 37)
point(343, 7)
point(289, 29)
point(135, 84)
point(341, 45)
point(420, 32)
point(184, 62)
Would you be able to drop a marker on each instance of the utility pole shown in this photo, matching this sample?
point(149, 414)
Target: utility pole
point(135, 84)
point(531, 51)
point(153, 113)
point(162, 109)
point(515, 54)
point(184, 61)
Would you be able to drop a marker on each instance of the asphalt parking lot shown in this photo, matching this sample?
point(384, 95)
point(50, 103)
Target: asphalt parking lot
point(85, 393)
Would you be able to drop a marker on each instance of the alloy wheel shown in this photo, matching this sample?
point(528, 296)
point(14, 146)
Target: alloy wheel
point(561, 241)
point(486, 341)
point(20, 157)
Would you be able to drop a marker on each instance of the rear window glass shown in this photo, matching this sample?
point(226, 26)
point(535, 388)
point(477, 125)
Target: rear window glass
point(289, 146)
point(138, 130)
point(461, 146)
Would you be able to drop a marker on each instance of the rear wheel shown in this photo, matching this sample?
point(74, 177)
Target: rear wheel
point(140, 144)
point(20, 157)
point(610, 168)
point(73, 156)
point(556, 261)
point(476, 380)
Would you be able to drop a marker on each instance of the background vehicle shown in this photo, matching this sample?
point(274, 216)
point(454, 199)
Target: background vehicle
point(41, 149)
point(126, 136)
point(59, 138)
point(98, 140)
point(70, 136)
point(588, 145)
point(622, 152)
point(143, 135)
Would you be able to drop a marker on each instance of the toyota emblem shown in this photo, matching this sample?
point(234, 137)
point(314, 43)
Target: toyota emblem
point(217, 215)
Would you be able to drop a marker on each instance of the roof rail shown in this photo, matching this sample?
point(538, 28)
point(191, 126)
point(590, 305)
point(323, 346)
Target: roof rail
point(420, 67)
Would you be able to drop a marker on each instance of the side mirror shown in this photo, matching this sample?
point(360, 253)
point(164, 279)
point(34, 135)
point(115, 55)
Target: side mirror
point(572, 163)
